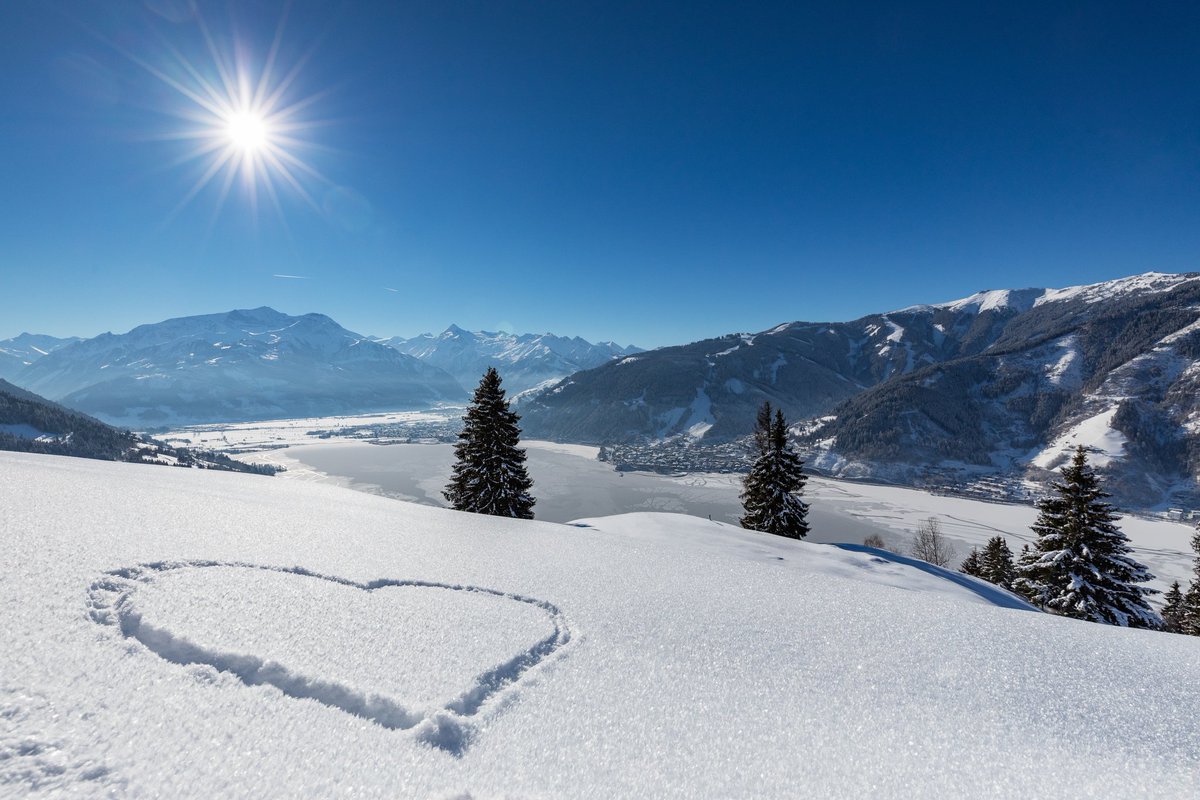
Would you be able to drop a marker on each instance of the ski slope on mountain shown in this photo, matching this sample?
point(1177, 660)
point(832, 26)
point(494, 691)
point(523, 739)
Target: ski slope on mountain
point(180, 633)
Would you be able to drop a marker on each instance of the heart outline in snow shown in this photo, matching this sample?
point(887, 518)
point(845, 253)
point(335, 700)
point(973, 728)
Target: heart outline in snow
point(450, 728)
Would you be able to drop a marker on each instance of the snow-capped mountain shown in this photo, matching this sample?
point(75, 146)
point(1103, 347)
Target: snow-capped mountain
point(524, 361)
point(713, 387)
point(238, 365)
point(1114, 367)
point(1000, 382)
point(20, 351)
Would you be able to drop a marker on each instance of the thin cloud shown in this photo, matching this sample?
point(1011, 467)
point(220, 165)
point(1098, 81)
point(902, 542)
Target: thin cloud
point(292, 277)
point(390, 289)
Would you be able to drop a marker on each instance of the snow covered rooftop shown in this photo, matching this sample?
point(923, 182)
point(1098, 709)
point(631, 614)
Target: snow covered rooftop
point(181, 633)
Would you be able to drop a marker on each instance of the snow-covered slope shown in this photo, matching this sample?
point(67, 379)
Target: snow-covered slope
point(1114, 367)
point(180, 634)
point(21, 351)
point(239, 365)
point(524, 360)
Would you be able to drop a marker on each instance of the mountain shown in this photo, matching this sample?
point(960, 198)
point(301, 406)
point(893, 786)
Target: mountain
point(1001, 383)
point(525, 361)
point(713, 387)
point(1114, 367)
point(239, 365)
point(33, 424)
point(21, 351)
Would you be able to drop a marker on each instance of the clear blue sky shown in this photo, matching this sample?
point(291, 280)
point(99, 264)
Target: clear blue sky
point(646, 172)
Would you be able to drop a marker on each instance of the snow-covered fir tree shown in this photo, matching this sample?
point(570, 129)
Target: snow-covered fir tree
point(996, 562)
point(1190, 612)
point(1080, 565)
point(489, 475)
point(971, 565)
point(1172, 612)
point(772, 491)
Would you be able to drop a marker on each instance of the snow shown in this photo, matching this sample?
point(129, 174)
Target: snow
point(1103, 443)
point(1148, 282)
point(700, 419)
point(894, 512)
point(182, 633)
point(1067, 371)
point(993, 300)
point(897, 332)
point(779, 361)
point(1022, 300)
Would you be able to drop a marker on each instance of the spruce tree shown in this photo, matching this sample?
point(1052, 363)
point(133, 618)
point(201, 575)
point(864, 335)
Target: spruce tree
point(1190, 612)
point(1080, 566)
point(772, 491)
point(996, 563)
point(489, 475)
point(1172, 613)
point(971, 565)
point(1022, 585)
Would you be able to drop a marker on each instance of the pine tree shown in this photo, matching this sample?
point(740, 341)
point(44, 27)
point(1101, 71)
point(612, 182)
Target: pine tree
point(489, 475)
point(1172, 613)
point(772, 491)
point(971, 564)
point(1190, 612)
point(1023, 586)
point(1080, 566)
point(996, 563)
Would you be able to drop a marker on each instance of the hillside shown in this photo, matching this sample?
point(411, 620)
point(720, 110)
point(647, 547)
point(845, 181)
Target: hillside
point(524, 360)
point(199, 634)
point(712, 388)
point(998, 385)
point(32, 424)
point(239, 365)
point(1114, 367)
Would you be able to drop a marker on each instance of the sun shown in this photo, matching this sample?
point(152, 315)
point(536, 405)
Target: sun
point(248, 131)
point(245, 118)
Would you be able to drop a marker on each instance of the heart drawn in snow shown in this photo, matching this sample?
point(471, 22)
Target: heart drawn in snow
point(407, 655)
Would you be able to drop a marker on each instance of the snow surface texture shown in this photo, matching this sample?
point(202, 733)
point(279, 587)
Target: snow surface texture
point(141, 605)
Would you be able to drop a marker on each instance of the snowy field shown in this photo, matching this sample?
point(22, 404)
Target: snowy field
point(183, 633)
point(238, 437)
point(569, 483)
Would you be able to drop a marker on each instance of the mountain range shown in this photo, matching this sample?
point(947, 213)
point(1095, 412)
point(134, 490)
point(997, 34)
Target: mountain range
point(999, 386)
point(19, 352)
point(1002, 383)
point(239, 365)
point(525, 361)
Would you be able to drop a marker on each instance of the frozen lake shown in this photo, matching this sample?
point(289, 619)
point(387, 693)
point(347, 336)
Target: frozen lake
point(568, 482)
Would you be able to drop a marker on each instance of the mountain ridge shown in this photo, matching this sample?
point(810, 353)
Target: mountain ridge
point(525, 360)
point(236, 365)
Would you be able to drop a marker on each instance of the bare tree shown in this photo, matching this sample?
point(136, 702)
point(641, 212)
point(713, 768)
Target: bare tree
point(874, 540)
point(930, 545)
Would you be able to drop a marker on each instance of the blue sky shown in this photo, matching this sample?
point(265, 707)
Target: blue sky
point(646, 172)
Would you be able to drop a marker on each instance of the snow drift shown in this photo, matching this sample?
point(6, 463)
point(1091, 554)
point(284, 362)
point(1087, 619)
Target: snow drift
point(193, 634)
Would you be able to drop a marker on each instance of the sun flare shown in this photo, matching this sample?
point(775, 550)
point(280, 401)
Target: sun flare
point(246, 120)
point(248, 131)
